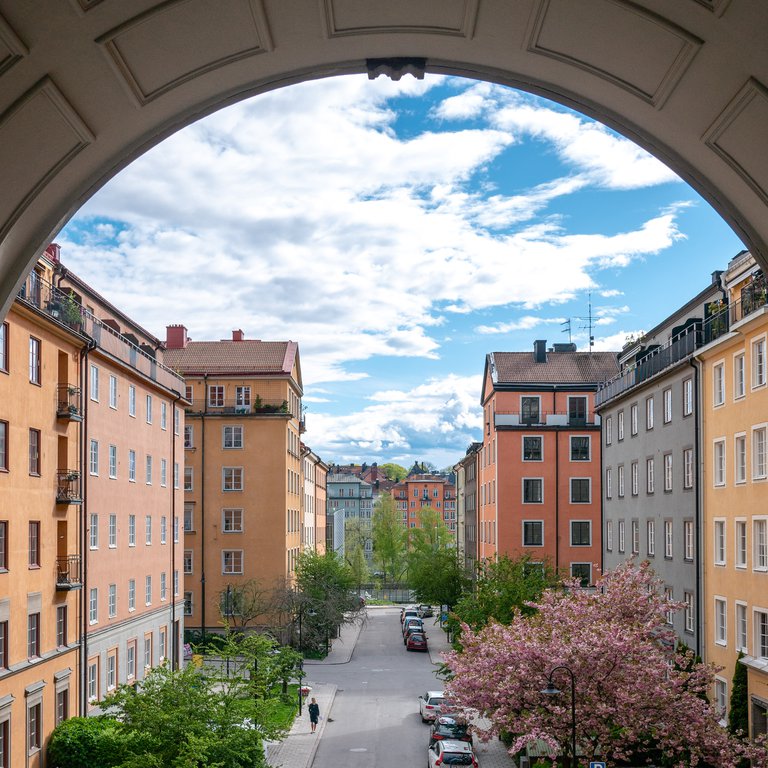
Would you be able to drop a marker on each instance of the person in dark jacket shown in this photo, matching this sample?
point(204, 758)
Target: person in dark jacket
point(314, 714)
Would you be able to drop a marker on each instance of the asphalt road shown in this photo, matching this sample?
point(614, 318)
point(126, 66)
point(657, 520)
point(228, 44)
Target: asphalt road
point(375, 718)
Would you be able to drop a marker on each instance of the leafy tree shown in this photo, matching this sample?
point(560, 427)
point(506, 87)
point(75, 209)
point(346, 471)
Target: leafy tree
point(87, 742)
point(246, 604)
point(438, 576)
point(357, 533)
point(389, 537)
point(431, 534)
point(738, 712)
point(394, 471)
point(617, 643)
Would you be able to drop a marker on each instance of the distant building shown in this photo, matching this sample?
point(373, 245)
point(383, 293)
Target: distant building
point(314, 476)
point(539, 475)
point(350, 499)
point(422, 489)
point(466, 505)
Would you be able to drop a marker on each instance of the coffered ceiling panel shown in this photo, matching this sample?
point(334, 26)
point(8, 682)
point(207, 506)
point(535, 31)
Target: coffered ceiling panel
point(352, 17)
point(12, 50)
point(739, 136)
point(615, 40)
point(39, 135)
point(183, 39)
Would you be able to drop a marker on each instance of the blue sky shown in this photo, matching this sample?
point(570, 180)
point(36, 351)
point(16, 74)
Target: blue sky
point(398, 232)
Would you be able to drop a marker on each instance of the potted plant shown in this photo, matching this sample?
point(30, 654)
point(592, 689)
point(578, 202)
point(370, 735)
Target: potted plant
point(72, 311)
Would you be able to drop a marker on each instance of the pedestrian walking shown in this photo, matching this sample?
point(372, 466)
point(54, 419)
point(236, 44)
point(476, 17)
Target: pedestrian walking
point(314, 714)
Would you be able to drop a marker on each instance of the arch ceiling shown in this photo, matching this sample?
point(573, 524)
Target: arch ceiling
point(86, 86)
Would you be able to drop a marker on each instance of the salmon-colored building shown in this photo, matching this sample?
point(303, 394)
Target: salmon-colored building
point(315, 492)
point(422, 489)
point(539, 483)
point(243, 501)
point(734, 485)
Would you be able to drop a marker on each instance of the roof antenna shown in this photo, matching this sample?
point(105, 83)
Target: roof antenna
point(567, 329)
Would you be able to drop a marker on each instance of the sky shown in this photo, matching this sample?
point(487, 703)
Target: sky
point(399, 232)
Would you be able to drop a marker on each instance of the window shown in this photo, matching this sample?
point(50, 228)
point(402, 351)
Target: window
point(580, 490)
point(609, 430)
point(741, 627)
point(740, 459)
point(3, 446)
point(176, 475)
point(650, 530)
point(609, 535)
point(669, 597)
point(622, 536)
point(93, 531)
point(163, 643)
point(577, 411)
point(718, 384)
point(232, 561)
point(34, 360)
point(688, 542)
point(243, 396)
point(163, 586)
point(232, 520)
point(668, 538)
point(231, 478)
point(758, 362)
point(33, 635)
point(532, 490)
point(61, 626)
point(4, 640)
point(93, 605)
point(721, 621)
point(667, 472)
point(759, 467)
point(111, 670)
point(149, 409)
point(188, 477)
point(216, 396)
point(188, 561)
point(719, 541)
point(620, 471)
point(635, 537)
point(130, 660)
point(176, 420)
point(739, 384)
point(147, 529)
point(649, 413)
point(189, 517)
point(533, 533)
point(131, 594)
point(667, 400)
point(148, 471)
point(718, 457)
point(148, 590)
point(187, 603)
point(112, 391)
point(188, 393)
point(633, 419)
point(112, 601)
point(94, 393)
point(34, 544)
point(580, 448)
point(532, 448)
point(62, 705)
point(608, 483)
point(93, 681)
point(112, 462)
point(721, 697)
point(34, 728)
point(583, 572)
point(131, 400)
point(740, 535)
point(581, 533)
point(163, 529)
point(34, 452)
point(620, 424)
point(688, 468)
point(189, 436)
point(650, 482)
point(761, 634)
point(163, 472)
point(4, 347)
point(163, 416)
point(147, 651)
point(689, 611)
point(131, 466)
point(687, 397)
point(760, 543)
point(634, 478)
point(232, 437)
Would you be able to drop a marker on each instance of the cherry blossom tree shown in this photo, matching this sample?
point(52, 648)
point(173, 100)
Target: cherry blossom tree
point(636, 697)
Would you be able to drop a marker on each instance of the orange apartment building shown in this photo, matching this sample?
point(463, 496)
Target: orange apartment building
point(315, 495)
point(243, 500)
point(538, 488)
point(425, 490)
point(734, 486)
point(65, 625)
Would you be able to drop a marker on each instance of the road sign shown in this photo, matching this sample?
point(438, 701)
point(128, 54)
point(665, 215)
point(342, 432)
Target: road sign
point(597, 764)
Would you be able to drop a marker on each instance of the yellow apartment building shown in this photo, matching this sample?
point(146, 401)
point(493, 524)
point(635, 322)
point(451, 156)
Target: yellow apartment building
point(243, 500)
point(314, 480)
point(734, 485)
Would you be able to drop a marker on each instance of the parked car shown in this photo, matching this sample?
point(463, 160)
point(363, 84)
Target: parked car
point(446, 727)
point(429, 705)
point(413, 629)
point(411, 612)
point(450, 752)
point(416, 641)
point(413, 621)
point(425, 611)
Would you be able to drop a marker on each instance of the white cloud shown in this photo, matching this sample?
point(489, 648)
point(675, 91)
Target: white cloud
point(525, 323)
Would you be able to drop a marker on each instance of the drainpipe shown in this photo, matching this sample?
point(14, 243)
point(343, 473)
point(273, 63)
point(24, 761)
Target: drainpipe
point(174, 527)
point(202, 504)
point(698, 506)
point(557, 481)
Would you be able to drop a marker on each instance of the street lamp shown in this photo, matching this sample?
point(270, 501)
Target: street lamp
point(553, 690)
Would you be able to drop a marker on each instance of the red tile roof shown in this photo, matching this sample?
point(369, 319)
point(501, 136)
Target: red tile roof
point(234, 357)
point(560, 367)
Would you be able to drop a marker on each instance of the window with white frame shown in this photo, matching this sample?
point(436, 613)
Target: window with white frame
point(94, 457)
point(688, 468)
point(130, 660)
point(93, 681)
point(719, 542)
point(620, 473)
point(609, 430)
point(148, 590)
point(93, 531)
point(176, 475)
point(232, 561)
point(163, 415)
point(163, 529)
point(231, 478)
point(113, 462)
point(620, 425)
point(188, 561)
point(609, 535)
point(760, 545)
point(718, 459)
point(176, 582)
point(758, 362)
point(149, 409)
point(187, 603)
point(760, 617)
point(633, 419)
point(687, 397)
point(721, 697)
point(189, 436)
point(94, 393)
point(622, 536)
point(649, 413)
point(131, 594)
point(633, 470)
point(741, 627)
point(189, 516)
point(112, 601)
point(667, 401)
point(759, 458)
point(668, 538)
point(147, 651)
point(533, 533)
point(667, 472)
point(243, 396)
point(34, 360)
point(650, 481)
point(533, 448)
point(721, 621)
point(740, 458)
point(232, 520)
point(581, 533)
point(176, 420)
point(739, 380)
point(688, 541)
point(718, 384)
point(188, 478)
point(113, 391)
point(669, 597)
point(650, 527)
point(93, 605)
point(131, 466)
point(147, 529)
point(533, 491)
point(163, 472)
point(232, 436)
point(740, 536)
point(690, 612)
point(163, 586)
point(608, 482)
point(635, 537)
point(581, 490)
point(580, 450)
point(131, 530)
point(149, 471)
point(216, 396)
point(112, 531)
point(131, 400)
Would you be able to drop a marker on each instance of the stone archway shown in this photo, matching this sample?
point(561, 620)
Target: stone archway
point(86, 86)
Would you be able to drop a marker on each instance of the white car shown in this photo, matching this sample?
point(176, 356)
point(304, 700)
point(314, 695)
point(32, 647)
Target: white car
point(451, 752)
point(429, 705)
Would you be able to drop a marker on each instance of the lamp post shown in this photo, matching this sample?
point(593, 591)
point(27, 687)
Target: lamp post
point(553, 690)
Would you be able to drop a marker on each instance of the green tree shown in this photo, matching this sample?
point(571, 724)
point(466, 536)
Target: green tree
point(738, 713)
point(88, 742)
point(357, 534)
point(431, 533)
point(394, 471)
point(438, 576)
point(389, 537)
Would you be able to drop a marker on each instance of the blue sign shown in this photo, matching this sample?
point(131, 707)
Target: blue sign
point(597, 764)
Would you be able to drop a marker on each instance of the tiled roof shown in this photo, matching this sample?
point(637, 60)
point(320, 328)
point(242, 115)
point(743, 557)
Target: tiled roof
point(560, 367)
point(233, 357)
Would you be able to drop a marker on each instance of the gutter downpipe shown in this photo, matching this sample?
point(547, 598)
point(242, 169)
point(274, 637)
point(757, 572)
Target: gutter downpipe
point(174, 530)
point(698, 506)
point(202, 504)
point(557, 481)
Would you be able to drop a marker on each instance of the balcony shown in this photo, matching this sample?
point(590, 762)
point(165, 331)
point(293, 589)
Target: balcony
point(68, 403)
point(225, 407)
point(545, 419)
point(68, 573)
point(68, 487)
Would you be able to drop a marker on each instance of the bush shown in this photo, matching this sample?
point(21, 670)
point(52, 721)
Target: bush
point(87, 742)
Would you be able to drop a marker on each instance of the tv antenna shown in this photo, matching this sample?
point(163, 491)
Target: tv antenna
point(589, 324)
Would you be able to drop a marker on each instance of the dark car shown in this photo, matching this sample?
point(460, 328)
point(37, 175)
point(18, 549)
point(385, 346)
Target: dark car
point(416, 641)
point(449, 728)
point(414, 629)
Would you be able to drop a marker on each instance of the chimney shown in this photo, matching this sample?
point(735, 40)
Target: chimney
point(716, 276)
point(238, 335)
point(53, 251)
point(176, 337)
point(540, 351)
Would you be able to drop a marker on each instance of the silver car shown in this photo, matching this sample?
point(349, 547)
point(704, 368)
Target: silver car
point(450, 752)
point(429, 705)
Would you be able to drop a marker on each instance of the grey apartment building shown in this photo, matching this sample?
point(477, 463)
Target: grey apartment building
point(651, 507)
point(350, 498)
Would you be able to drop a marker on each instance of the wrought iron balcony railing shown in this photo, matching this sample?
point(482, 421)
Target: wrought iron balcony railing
point(68, 572)
point(68, 402)
point(68, 486)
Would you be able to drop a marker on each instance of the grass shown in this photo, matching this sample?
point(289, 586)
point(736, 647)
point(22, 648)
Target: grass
point(283, 708)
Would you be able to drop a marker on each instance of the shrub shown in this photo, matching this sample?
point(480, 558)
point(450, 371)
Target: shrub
point(87, 742)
